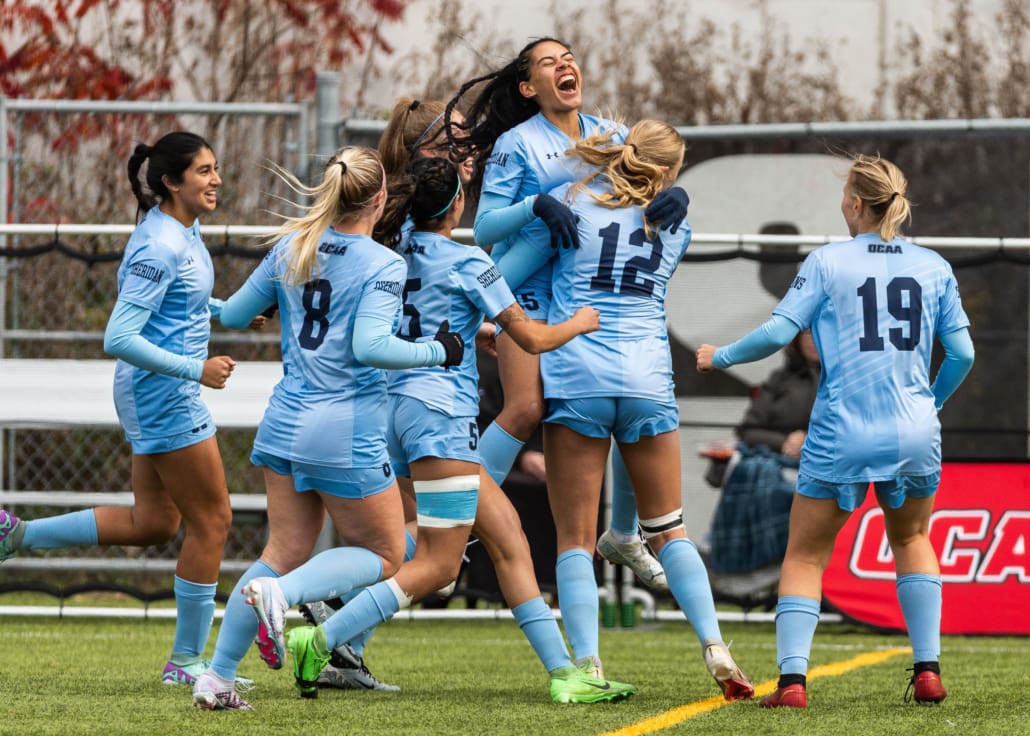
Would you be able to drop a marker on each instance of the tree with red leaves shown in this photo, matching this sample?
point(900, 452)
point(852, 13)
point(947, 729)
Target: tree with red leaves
point(157, 50)
point(211, 50)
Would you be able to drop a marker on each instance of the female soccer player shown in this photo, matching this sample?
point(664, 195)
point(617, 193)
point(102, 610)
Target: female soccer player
point(159, 332)
point(874, 304)
point(617, 383)
point(322, 440)
point(519, 126)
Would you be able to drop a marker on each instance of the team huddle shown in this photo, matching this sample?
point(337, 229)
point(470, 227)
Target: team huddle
point(375, 419)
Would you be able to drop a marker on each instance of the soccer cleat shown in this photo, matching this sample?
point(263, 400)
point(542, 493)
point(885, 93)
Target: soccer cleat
point(12, 529)
point(788, 696)
point(734, 683)
point(270, 608)
point(925, 688)
point(573, 685)
point(316, 612)
point(352, 678)
point(307, 663)
point(591, 666)
point(343, 657)
point(212, 693)
point(184, 674)
point(187, 674)
point(636, 556)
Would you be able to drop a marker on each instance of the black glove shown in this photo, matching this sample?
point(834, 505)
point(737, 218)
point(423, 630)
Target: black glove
point(270, 312)
point(452, 343)
point(668, 208)
point(559, 220)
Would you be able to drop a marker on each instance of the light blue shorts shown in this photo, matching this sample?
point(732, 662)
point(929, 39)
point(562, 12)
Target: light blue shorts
point(417, 430)
point(341, 482)
point(891, 493)
point(627, 419)
point(157, 445)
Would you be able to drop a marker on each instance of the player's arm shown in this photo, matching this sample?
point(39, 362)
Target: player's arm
point(122, 339)
point(958, 361)
point(537, 337)
point(497, 217)
point(375, 344)
point(763, 341)
point(240, 309)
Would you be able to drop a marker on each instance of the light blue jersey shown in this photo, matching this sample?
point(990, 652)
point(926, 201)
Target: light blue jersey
point(453, 282)
point(166, 270)
point(529, 159)
point(623, 274)
point(329, 409)
point(874, 309)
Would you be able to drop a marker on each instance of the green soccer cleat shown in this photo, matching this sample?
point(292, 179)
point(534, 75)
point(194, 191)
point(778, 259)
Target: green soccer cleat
point(573, 685)
point(12, 529)
point(307, 663)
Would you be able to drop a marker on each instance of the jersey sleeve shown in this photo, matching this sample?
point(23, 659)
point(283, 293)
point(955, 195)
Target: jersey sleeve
point(497, 217)
point(122, 339)
point(952, 315)
point(805, 293)
point(506, 168)
point(152, 268)
point(481, 281)
point(382, 292)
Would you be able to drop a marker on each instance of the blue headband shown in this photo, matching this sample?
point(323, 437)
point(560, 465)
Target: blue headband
point(450, 202)
point(418, 141)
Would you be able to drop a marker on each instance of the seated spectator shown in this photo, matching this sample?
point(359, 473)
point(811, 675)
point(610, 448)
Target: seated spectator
point(748, 536)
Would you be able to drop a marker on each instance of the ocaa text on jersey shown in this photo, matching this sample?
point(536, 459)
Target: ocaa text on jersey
point(884, 248)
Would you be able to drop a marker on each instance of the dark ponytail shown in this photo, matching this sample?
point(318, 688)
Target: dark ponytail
point(169, 157)
point(498, 107)
point(425, 192)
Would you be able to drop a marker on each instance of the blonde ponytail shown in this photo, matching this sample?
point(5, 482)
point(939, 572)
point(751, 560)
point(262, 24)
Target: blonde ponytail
point(351, 180)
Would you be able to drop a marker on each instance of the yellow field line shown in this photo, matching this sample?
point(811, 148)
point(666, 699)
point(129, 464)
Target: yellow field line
point(677, 715)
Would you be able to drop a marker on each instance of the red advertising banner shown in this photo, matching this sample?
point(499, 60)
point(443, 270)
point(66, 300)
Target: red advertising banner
point(980, 530)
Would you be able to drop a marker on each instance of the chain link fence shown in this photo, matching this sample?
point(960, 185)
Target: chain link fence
point(58, 289)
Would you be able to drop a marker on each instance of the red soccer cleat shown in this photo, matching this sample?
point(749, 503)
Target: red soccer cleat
point(926, 688)
point(790, 696)
point(731, 679)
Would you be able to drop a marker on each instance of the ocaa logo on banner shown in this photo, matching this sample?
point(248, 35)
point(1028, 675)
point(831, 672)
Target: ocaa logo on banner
point(957, 537)
point(980, 531)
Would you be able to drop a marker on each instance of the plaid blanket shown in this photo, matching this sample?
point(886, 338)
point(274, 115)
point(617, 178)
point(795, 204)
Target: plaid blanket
point(749, 529)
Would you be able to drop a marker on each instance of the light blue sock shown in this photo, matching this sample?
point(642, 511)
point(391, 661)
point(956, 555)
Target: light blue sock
point(359, 642)
point(369, 608)
point(577, 598)
point(497, 451)
point(536, 619)
point(920, 598)
point(77, 529)
point(239, 625)
point(624, 505)
point(194, 612)
point(688, 581)
point(331, 574)
point(796, 619)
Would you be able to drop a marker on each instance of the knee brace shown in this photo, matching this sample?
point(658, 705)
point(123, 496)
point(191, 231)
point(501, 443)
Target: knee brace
point(650, 528)
point(448, 502)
